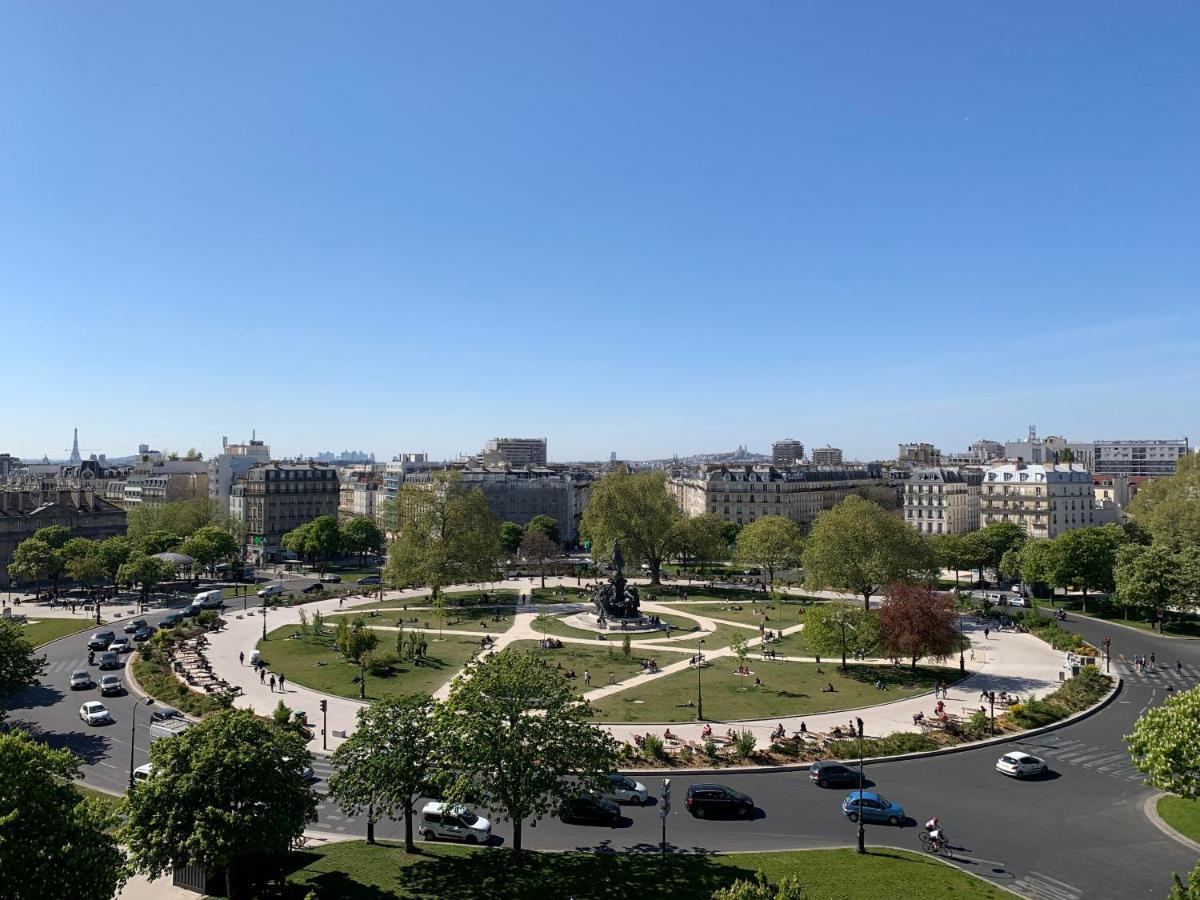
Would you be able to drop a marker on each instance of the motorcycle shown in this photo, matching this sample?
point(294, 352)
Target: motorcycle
point(1061, 615)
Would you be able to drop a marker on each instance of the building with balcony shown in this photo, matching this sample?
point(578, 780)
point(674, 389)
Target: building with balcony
point(826, 456)
point(942, 500)
point(788, 452)
point(1149, 458)
point(24, 511)
point(514, 452)
point(1045, 500)
point(273, 498)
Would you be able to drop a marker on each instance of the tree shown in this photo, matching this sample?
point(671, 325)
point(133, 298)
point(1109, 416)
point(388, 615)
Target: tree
point(760, 888)
point(159, 542)
point(87, 570)
point(35, 560)
point(737, 643)
point(179, 517)
point(147, 571)
point(510, 538)
point(915, 622)
point(1037, 564)
point(857, 546)
point(702, 538)
point(228, 794)
point(1144, 577)
point(324, 539)
point(1169, 508)
point(831, 629)
point(445, 534)
point(75, 548)
point(635, 509)
point(547, 525)
point(950, 552)
point(518, 738)
point(1085, 557)
point(54, 535)
point(113, 553)
point(538, 549)
point(1185, 890)
point(20, 666)
point(362, 536)
point(210, 546)
point(53, 843)
point(1165, 745)
point(388, 760)
point(771, 543)
point(987, 547)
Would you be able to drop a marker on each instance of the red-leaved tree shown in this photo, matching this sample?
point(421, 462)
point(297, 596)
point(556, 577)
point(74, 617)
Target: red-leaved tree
point(915, 621)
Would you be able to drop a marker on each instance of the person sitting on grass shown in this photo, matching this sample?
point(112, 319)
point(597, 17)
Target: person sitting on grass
point(828, 689)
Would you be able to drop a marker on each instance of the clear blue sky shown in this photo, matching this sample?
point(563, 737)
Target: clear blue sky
point(642, 227)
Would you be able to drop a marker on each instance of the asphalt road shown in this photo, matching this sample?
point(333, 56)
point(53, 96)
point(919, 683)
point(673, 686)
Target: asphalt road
point(1079, 833)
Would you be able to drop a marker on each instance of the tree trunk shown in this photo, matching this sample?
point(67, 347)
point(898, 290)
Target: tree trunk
point(517, 840)
point(655, 574)
point(1083, 608)
point(409, 846)
point(543, 576)
point(370, 830)
point(867, 600)
point(914, 663)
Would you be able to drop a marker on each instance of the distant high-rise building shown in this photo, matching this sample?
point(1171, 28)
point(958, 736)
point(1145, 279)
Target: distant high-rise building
point(788, 452)
point(827, 456)
point(1150, 458)
point(921, 454)
point(515, 451)
point(234, 461)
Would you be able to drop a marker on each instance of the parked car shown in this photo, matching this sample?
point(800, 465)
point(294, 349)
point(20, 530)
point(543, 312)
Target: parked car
point(110, 684)
point(370, 579)
point(331, 578)
point(162, 713)
point(829, 774)
point(717, 800)
point(625, 790)
point(131, 627)
point(1021, 765)
point(872, 807)
point(143, 633)
point(588, 807)
point(315, 588)
point(121, 645)
point(170, 621)
point(440, 821)
point(141, 773)
point(100, 640)
point(81, 678)
point(95, 713)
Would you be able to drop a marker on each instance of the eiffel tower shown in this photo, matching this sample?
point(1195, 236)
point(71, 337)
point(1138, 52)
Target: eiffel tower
point(76, 459)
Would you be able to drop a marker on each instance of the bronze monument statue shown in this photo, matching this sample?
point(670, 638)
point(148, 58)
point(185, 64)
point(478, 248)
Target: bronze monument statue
point(615, 600)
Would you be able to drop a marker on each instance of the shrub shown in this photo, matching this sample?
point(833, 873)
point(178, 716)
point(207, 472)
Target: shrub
point(1037, 713)
point(980, 722)
point(383, 664)
point(654, 747)
point(710, 750)
point(744, 743)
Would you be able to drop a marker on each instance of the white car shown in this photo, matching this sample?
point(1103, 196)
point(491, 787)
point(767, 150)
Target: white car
point(121, 645)
point(1020, 765)
point(110, 684)
point(81, 678)
point(141, 773)
point(94, 713)
point(440, 821)
point(625, 790)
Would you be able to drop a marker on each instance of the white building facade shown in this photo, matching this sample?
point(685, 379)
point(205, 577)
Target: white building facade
point(942, 500)
point(1045, 500)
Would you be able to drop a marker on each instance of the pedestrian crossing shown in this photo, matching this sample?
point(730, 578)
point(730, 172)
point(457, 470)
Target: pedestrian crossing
point(1059, 750)
point(1181, 677)
point(1042, 887)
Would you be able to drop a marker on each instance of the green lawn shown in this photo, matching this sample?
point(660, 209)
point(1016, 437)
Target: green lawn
point(789, 688)
point(775, 616)
point(794, 644)
point(45, 630)
point(355, 870)
point(456, 598)
point(110, 800)
point(569, 595)
point(311, 662)
point(600, 660)
point(456, 620)
point(1182, 815)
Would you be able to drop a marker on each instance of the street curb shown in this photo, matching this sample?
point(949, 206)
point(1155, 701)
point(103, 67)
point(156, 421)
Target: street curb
point(903, 757)
point(1150, 808)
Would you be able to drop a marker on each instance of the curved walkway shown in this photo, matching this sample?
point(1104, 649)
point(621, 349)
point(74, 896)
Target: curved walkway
point(1018, 663)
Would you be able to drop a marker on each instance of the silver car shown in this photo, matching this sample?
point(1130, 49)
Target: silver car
point(110, 684)
point(81, 678)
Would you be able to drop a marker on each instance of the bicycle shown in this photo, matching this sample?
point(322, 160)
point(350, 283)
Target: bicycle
point(930, 845)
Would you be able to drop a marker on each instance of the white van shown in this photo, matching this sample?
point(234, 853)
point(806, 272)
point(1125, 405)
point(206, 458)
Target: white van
point(271, 590)
point(209, 599)
point(168, 728)
point(440, 821)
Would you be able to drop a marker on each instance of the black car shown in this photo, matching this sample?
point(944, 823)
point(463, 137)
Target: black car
point(718, 801)
point(370, 579)
point(163, 713)
point(827, 774)
point(101, 639)
point(315, 588)
point(590, 808)
point(131, 627)
point(172, 620)
point(143, 633)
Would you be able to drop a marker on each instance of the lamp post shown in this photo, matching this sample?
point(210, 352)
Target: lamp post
point(862, 837)
point(149, 701)
point(992, 701)
point(264, 615)
point(699, 666)
point(962, 660)
point(1107, 652)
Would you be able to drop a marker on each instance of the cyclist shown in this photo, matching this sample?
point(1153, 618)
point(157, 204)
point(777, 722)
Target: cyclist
point(936, 835)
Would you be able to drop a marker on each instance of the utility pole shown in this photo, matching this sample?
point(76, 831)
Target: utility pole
point(324, 724)
point(1107, 652)
point(862, 836)
point(664, 810)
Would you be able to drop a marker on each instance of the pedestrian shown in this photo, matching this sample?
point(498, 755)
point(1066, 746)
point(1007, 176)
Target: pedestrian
point(587, 678)
point(1153, 659)
point(241, 657)
point(262, 676)
point(342, 599)
point(1178, 667)
point(272, 684)
point(986, 633)
point(281, 682)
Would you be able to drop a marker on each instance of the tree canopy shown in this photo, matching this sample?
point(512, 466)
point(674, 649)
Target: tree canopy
point(547, 525)
point(986, 547)
point(771, 543)
point(510, 538)
point(915, 621)
point(53, 843)
point(145, 571)
point(833, 629)
point(1085, 557)
point(1165, 745)
point(858, 546)
point(227, 793)
point(20, 665)
point(635, 509)
point(210, 546)
point(519, 739)
point(35, 560)
point(315, 541)
point(1169, 508)
point(703, 538)
point(539, 549)
point(362, 536)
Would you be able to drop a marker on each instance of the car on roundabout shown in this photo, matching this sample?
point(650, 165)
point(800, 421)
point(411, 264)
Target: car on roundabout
point(331, 578)
point(453, 822)
point(370, 579)
point(163, 713)
point(95, 713)
point(100, 640)
point(718, 801)
point(872, 807)
point(110, 684)
point(134, 625)
point(315, 588)
point(828, 773)
point(623, 789)
point(1017, 764)
point(121, 645)
point(80, 679)
point(143, 633)
point(589, 808)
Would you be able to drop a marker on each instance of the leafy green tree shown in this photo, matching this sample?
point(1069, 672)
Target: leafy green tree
point(702, 538)
point(857, 546)
point(1038, 563)
point(950, 552)
point(729, 532)
point(1169, 508)
point(179, 517)
point(362, 536)
point(444, 534)
point(518, 738)
point(635, 509)
point(35, 560)
point(915, 622)
point(210, 546)
point(1085, 557)
point(145, 571)
point(159, 542)
point(87, 570)
point(324, 539)
point(1165, 745)
point(1145, 577)
point(387, 761)
point(53, 843)
point(226, 794)
point(771, 543)
point(760, 888)
point(510, 538)
point(296, 540)
point(831, 629)
point(986, 547)
point(54, 535)
point(737, 643)
point(20, 666)
point(547, 525)
point(538, 549)
point(114, 552)
point(1185, 890)
point(75, 548)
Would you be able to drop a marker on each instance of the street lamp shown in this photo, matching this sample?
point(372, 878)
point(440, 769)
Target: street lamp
point(1107, 651)
point(962, 660)
point(149, 701)
point(699, 665)
point(264, 615)
point(862, 837)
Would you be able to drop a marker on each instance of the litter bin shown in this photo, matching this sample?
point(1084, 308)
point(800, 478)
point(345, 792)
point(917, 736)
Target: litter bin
point(255, 657)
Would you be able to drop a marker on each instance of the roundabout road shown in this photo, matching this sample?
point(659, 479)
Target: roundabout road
point(1079, 833)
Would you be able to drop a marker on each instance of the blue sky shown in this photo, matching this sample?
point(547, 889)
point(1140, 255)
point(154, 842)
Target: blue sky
point(642, 227)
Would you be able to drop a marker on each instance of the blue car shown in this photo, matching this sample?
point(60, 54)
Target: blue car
point(872, 807)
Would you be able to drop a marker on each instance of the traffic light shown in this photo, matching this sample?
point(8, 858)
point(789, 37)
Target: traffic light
point(324, 705)
point(665, 797)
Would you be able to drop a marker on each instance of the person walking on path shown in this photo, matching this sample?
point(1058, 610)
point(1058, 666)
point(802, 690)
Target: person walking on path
point(241, 657)
point(587, 678)
point(1153, 658)
point(281, 682)
point(272, 684)
point(262, 676)
point(986, 633)
point(1178, 667)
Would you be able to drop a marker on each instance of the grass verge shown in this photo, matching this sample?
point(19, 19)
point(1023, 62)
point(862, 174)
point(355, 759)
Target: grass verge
point(602, 661)
point(44, 631)
point(355, 871)
point(1182, 815)
point(154, 675)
